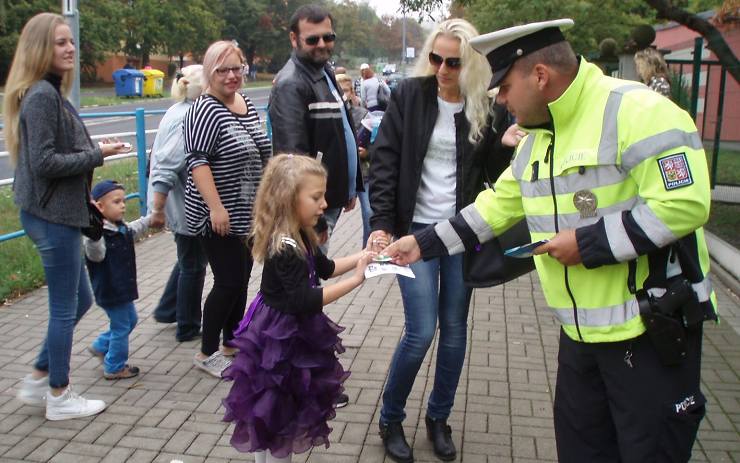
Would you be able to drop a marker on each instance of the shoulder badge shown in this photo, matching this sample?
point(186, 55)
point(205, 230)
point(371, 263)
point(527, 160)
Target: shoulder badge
point(675, 171)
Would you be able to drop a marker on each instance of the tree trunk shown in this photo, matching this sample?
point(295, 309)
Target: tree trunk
point(715, 41)
point(182, 60)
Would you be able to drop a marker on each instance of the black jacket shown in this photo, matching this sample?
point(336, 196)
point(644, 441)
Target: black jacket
point(401, 145)
point(307, 119)
point(114, 279)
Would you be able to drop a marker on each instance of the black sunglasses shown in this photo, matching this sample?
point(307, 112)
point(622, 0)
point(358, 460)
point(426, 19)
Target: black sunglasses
point(314, 39)
point(436, 60)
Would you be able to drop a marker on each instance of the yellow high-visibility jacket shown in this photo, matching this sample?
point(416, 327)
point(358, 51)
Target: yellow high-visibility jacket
point(625, 168)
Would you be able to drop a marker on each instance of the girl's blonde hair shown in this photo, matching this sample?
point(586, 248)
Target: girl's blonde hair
point(188, 84)
point(475, 74)
point(33, 58)
point(275, 208)
point(215, 56)
point(649, 63)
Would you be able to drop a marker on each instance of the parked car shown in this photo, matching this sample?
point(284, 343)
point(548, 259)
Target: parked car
point(389, 69)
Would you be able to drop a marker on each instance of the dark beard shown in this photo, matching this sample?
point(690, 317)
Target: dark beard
point(309, 58)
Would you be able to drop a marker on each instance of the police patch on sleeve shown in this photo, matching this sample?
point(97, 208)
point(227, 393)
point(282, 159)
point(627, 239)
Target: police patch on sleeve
point(675, 171)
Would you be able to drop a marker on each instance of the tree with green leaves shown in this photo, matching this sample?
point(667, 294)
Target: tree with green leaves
point(191, 27)
point(100, 34)
point(13, 16)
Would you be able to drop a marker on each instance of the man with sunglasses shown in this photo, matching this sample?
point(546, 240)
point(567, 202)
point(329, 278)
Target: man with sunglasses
point(308, 114)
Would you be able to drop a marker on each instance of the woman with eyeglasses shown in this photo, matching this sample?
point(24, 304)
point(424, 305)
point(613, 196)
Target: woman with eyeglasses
point(439, 134)
point(226, 151)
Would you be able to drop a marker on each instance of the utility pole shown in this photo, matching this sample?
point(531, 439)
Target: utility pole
point(72, 15)
point(403, 39)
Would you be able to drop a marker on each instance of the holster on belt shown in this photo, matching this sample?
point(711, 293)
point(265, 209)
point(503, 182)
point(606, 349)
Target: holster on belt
point(667, 317)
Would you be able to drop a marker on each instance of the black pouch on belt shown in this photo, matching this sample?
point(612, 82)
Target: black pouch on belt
point(664, 320)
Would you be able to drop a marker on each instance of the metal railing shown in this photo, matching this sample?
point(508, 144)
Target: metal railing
point(701, 72)
point(141, 154)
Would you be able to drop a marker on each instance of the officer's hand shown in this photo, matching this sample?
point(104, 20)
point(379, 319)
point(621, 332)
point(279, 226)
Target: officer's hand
point(563, 247)
point(404, 251)
point(351, 204)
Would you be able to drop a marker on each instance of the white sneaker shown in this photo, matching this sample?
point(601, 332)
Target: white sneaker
point(70, 405)
point(33, 391)
point(213, 365)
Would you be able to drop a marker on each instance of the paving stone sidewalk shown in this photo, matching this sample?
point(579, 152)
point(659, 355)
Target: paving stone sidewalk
point(503, 408)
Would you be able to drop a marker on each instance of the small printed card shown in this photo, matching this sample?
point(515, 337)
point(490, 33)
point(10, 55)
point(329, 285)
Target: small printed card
point(374, 269)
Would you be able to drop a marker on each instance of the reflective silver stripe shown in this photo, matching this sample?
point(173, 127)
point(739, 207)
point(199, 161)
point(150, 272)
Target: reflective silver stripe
point(609, 143)
point(522, 158)
point(476, 223)
point(332, 115)
point(659, 143)
point(545, 223)
point(703, 289)
point(619, 242)
point(652, 226)
point(602, 316)
point(449, 237)
point(324, 105)
point(593, 177)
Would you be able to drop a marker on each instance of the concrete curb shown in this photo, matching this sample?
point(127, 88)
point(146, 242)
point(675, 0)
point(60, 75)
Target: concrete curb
point(725, 261)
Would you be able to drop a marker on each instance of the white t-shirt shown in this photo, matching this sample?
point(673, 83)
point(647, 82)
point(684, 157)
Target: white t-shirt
point(436, 198)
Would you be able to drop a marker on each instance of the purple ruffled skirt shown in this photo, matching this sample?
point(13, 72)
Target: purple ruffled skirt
point(286, 379)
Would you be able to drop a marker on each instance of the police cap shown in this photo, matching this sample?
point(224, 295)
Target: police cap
point(502, 48)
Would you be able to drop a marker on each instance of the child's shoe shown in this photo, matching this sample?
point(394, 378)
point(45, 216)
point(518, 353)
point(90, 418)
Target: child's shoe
point(128, 371)
point(213, 365)
point(33, 391)
point(70, 405)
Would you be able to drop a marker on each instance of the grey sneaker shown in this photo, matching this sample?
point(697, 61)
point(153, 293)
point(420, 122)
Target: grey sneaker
point(71, 405)
point(33, 391)
point(213, 365)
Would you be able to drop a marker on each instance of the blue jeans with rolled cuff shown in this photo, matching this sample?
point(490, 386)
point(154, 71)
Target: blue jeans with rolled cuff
point(114, 342)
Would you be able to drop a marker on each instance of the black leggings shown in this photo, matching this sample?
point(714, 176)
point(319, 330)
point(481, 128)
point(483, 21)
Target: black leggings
point(231, 263)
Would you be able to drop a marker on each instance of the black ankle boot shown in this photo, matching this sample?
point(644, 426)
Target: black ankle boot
point(395, 443)
point(441, 436)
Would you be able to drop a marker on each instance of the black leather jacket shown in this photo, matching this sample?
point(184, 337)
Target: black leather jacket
point(401, 145)
point(307, 119)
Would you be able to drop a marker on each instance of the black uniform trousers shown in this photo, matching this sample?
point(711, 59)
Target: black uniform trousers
point(608, 411)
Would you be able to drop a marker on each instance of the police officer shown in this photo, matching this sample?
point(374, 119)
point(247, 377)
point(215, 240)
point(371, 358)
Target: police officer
point(615, 177)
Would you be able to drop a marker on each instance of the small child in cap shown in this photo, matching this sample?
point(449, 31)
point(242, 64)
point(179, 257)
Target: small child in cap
point(111, 262)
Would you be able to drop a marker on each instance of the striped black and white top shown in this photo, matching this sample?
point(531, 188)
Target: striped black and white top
point(236, 149)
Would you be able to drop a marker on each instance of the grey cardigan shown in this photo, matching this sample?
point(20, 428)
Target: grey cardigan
point(55, 158)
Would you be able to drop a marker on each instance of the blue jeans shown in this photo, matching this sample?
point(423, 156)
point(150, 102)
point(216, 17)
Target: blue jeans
point(364, 199)
point(181, 299)
point(436, 292)
point(60, 248)
point(114, 342)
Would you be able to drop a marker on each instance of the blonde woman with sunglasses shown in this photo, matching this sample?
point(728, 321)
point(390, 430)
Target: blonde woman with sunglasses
point(439, 131)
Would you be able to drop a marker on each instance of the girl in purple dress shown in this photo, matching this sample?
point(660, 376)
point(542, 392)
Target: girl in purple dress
point(286, 374)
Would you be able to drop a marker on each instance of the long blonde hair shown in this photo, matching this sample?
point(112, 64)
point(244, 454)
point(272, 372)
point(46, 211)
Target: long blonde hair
point(275, 215)
point(188, 84)
point(475, 74)
point(32, 60)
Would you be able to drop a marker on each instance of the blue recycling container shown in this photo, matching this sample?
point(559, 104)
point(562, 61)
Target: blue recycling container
point(128, 82)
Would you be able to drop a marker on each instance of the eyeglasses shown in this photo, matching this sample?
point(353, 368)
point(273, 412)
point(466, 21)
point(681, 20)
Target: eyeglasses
point(237, 70)
point(436, 60)
point(314, 39)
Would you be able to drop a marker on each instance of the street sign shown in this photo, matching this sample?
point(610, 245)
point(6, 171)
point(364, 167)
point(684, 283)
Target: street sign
point(410, 53)
point(69, 7)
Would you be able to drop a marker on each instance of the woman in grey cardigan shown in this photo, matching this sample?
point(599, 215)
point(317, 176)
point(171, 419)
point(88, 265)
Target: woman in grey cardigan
point(180, 301)
point(54, 159)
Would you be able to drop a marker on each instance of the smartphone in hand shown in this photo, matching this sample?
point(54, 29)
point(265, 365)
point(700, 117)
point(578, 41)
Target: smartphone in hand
point(524, 250)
